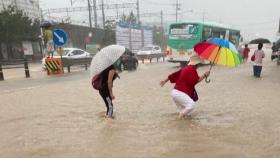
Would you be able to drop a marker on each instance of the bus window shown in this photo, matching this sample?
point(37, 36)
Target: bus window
point(234, 37)
point(218, 32)
point(193, 29)
point(207, 33)
point(227, 35)
point(184, 31)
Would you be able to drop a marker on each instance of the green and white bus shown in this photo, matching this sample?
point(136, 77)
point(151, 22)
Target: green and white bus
point(182, 37)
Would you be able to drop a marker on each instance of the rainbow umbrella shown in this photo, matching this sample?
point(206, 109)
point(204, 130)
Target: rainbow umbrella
point(218, 51)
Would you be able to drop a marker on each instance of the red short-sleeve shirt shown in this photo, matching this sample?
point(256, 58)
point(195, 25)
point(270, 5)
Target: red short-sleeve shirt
point(246, 52)
point(185, 79)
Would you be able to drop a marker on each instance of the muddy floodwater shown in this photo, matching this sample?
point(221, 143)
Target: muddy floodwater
point(237, 116)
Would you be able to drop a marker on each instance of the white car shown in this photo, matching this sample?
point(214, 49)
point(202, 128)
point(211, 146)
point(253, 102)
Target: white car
point(148, 50)
point(69, 53)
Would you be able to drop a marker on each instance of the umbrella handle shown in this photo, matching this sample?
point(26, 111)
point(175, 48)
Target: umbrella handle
point(207, 80)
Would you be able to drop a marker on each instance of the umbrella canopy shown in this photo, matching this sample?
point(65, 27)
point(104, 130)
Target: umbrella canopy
point(105, 58)
point(46, 24)
point(219, 51)
point(260, 40)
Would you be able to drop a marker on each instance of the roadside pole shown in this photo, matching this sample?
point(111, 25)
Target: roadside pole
point(1, 73)
point(60, 51)
point(55, 65)
point(26, 69)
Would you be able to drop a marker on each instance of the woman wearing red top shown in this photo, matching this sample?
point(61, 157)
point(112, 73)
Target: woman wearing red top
point(245, 53)
point(184, 94)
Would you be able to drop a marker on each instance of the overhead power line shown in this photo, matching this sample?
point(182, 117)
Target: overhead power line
point(80, 9)
point(93, 7)
point(159, 4)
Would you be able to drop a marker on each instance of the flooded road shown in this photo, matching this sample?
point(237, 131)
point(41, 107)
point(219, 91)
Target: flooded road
point(236, 116)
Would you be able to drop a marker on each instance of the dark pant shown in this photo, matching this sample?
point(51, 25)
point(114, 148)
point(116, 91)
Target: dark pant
point(257, 70)
point(104, 92)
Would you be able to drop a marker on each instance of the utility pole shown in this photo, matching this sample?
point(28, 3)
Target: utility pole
point(161, 18)
point(3, 5)
point(42, 15)
point(95, 13)
point(279, 27)
point(117, 8)
point(177, 9)
point(161, 30)
point(138, 11)
point(67, 12)
point(42, 33)
point(103, 14)
point(89, 14)
point(203, 16)
point(15, 1)
point(72, 2)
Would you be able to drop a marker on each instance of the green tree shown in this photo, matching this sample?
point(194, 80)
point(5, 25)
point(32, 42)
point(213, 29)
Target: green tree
point(131, 18)
point(110, 25)
point(16, 27)
point(159, 38)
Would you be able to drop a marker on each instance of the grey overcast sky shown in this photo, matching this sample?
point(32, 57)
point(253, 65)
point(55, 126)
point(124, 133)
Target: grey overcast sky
point(253, 17)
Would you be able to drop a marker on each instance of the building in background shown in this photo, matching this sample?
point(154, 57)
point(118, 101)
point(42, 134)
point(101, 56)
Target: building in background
point(28, 45)
point(30, 8)
point(133, 36)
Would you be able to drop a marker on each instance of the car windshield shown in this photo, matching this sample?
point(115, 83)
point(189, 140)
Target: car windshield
point(65, 52)
point(147, 48)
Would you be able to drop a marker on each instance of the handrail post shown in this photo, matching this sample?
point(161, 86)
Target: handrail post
point(27, 74)
point(1, 73)
point(68, 68)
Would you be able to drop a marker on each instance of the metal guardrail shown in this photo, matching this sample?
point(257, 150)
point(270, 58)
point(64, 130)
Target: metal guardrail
point(12, 64)
point(68, 62)
point(151, 56)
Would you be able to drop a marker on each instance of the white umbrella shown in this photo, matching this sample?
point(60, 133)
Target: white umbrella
point(105, 58)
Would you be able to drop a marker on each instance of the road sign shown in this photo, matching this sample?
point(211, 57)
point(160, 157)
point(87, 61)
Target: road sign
point(59, 37)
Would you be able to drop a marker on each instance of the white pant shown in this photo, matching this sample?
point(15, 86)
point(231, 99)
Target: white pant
point(184, 102)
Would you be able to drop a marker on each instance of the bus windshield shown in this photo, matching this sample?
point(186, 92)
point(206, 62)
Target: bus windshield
point(183, 31)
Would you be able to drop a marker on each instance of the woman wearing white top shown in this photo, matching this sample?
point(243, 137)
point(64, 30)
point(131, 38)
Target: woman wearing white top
point(259, 55)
